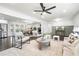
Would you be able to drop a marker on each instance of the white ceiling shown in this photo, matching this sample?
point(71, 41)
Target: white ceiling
point(10, 18)
point(62, 10)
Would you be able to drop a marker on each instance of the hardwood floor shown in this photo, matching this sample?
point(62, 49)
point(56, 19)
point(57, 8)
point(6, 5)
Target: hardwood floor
point(55, 49)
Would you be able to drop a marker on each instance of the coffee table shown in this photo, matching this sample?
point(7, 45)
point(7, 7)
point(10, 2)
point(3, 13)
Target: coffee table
point(43, 43)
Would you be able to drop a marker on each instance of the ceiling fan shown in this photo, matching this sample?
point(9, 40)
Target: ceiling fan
point(44, 9)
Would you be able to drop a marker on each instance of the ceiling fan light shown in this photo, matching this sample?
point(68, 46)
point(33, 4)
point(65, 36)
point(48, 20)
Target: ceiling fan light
point(44, 13)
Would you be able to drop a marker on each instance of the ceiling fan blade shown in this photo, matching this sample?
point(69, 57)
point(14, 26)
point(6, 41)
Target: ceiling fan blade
point(48, 12)
point(50, 8)
point(42, 6)
point(38, 11)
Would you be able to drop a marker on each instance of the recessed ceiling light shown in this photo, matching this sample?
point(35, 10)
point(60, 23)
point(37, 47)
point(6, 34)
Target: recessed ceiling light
point(28, 21)
point(64, 11)
point(58, 19)
point(34, 12)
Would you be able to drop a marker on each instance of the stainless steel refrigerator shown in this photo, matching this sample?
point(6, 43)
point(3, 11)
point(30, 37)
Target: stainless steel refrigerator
point(4, 38)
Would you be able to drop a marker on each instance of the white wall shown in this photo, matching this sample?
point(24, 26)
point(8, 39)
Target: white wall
point(76, 20)
point(62, 22)
point(47, 26)
point(76, 23)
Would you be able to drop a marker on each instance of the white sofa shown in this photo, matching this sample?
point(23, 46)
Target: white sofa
point(71, 49)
